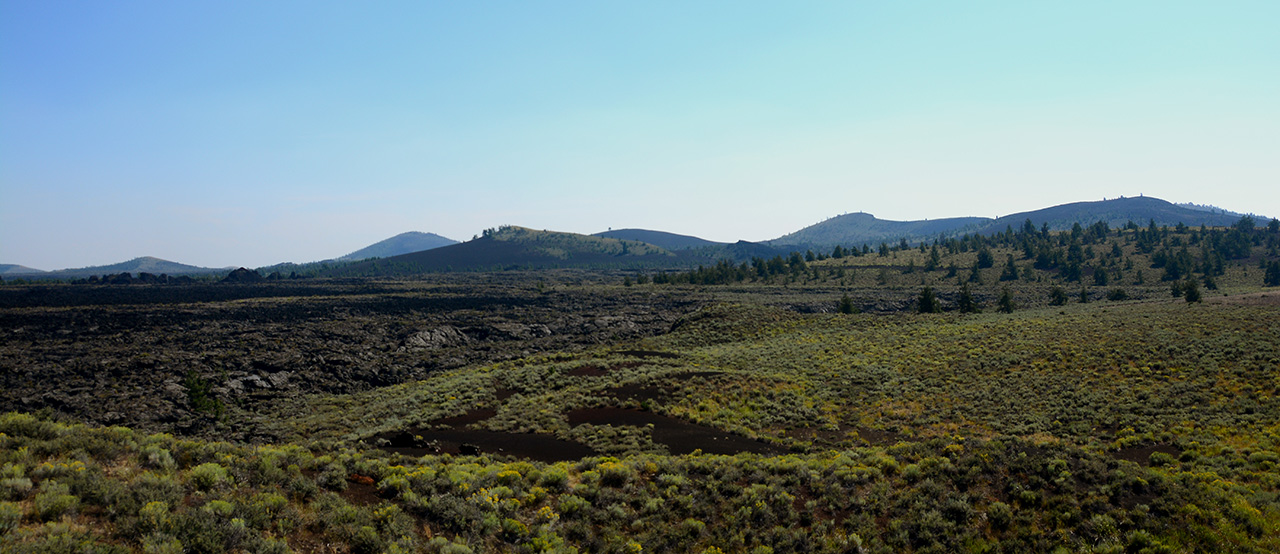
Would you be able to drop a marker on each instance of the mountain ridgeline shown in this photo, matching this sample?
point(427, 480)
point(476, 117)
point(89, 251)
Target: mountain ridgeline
point(863, 228)
point(404, 243)
point(136, 266)
point(661, 239)
point(511, 247)
point(520, 248)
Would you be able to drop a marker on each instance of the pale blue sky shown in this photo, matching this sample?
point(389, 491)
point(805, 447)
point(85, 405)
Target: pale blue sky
point(224, 133)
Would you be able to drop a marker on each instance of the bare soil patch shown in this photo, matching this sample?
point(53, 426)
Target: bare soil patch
point(544, 448)
point(587, 371)
point(678, 435)
point(360, 490)
point(1142, 454)
point(878, 437)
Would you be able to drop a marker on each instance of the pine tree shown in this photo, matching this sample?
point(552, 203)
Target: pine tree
point(1006, 301)
point(975, 276)
point(1010, 270)
point(1057, 296)
point(1272, 278)
point(846, 305)
point(1191, 291)
point(985, 259)
point(966, 302)
point(1100, 276)
point(928, 303)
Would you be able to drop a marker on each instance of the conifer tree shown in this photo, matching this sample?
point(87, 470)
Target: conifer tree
point(966, 303)
point(1191, 291)
point(975, 275)
point(1010, 270)
point(1272, 278)
point(985, 259)
point(1006, 301)
point(1057, 296)
point(1100, 276)
point(846, 305)
point(928, 303)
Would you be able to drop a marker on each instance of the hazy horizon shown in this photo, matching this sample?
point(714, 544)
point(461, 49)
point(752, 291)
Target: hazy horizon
point(248, 134)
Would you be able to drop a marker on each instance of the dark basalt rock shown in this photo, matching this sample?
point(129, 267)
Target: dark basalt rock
point(243, 275)
point(127, 355)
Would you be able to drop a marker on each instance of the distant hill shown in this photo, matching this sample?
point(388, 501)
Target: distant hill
point(1116, 212)
point(740, 251)
point(14, 269)
point(516, 248)
point(863, 228)
point(404, 243)
point(145, 264)
point(1207, 208)
point(669, 241)
point(693, 250)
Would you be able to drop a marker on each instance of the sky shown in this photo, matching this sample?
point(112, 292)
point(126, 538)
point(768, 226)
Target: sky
point(251, 133)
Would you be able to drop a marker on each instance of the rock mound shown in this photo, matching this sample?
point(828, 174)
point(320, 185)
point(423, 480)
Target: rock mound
point(243, 275)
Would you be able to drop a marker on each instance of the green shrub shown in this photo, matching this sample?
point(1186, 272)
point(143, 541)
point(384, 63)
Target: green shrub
point(220, 508)
point(333, 477)
point(366, 541)
point(154, 517)
point(26, 425)
point(10, 517)
point(1000, 515)
point(15, 488)
point(272, 503)
point(58, 538)
point(160, 543)
point(570, 505)
point(150, 487)
point(555, 478)
point(207, 476)
point(441, 545)
point(154, 457)
point(54, 501)
point(206, 531)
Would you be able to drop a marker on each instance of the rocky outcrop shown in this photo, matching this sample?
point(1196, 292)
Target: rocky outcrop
point(440, 337)
point(243, 275)
point(118, 359)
